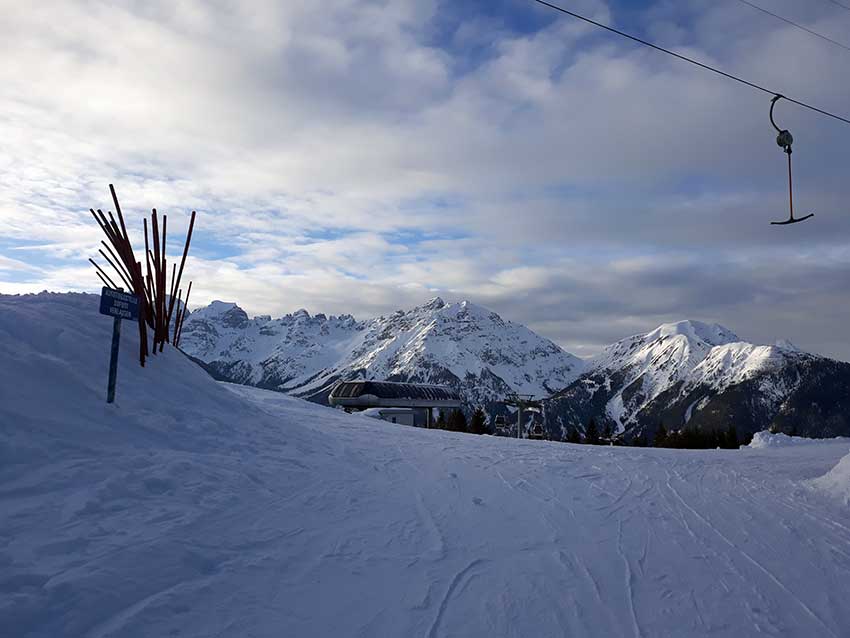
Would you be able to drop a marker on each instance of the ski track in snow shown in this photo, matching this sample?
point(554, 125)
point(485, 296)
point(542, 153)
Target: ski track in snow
point(628, 579)
point(441, 610)
point(749, 558)
point(221, 510)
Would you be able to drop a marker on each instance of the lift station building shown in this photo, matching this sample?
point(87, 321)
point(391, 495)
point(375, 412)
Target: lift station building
point(421, 398)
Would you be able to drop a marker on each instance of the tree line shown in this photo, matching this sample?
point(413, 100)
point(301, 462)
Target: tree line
point(456, 421)
point(692, 438)
point(686, 438)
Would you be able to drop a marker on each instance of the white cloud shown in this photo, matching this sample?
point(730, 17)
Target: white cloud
point(345, 157)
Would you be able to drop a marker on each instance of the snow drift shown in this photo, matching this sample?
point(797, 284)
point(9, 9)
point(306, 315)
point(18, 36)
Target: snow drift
point(836, 482)
point(192, 508)
point(767, 439)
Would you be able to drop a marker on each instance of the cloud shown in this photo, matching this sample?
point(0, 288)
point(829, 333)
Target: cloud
point(363, 156)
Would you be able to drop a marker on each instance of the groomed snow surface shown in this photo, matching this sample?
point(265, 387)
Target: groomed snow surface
point(191, 508)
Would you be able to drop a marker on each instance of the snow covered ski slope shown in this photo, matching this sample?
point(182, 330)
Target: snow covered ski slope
point(192, 508)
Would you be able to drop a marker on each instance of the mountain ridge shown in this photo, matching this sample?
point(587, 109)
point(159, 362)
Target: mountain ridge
point(460, 344)
point(685, 373)
point(692, 374)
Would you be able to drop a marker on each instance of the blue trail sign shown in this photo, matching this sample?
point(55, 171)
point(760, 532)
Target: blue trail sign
point(118, 305)
point(115, 303)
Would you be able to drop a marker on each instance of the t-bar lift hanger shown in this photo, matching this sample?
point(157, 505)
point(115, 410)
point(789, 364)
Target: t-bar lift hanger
point(785, 140)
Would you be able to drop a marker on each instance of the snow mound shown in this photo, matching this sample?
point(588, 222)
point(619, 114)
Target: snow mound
point(836, 482)
point(765, 439)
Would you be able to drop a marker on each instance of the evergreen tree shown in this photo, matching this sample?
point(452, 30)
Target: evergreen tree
point(718, 439)
point(591, 434)
point(732, 438)
point(457, 421)
point(673, 439)
point(478, 424)
point(573, 436)
point(639, 441)
point(607, 432)
point(462, 423)
point(689, 438)
point(441, 421)
point(660, 436)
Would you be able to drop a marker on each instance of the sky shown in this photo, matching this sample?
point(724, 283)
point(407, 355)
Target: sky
point(363, 156)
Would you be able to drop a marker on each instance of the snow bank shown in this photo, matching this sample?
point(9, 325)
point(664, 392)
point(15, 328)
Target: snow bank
point(106, 511)
point(836, 482)
point(765, 439)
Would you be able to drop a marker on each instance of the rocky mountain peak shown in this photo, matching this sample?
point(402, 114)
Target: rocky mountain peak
point(690, 372)
point(221, 312)
point(435, 303)
point(461, 344)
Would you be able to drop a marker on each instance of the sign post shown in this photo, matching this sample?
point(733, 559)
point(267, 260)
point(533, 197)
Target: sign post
point(113, 360)
point(118, 305)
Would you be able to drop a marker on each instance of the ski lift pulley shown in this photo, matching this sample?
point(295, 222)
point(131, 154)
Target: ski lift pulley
point(784, 139)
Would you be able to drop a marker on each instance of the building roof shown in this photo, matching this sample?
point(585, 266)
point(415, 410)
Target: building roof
point(391, 394)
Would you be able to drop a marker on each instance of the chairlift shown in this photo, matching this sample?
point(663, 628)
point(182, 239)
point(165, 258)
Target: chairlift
point(784, 139)
point(500, 425)
point(537, 432)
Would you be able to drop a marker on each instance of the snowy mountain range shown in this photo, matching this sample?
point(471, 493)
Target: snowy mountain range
point(685, 373)
point(460, 344)
point(702, 375)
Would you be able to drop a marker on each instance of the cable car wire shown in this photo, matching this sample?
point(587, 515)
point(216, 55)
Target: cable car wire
point(690, 60)
point(794, 24)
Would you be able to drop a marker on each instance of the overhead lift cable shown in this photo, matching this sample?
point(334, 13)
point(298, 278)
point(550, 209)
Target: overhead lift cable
point(794, 24)
point(691, 60)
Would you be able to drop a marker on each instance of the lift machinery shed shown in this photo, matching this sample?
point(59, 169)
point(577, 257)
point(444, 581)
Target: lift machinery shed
point(360, 395)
